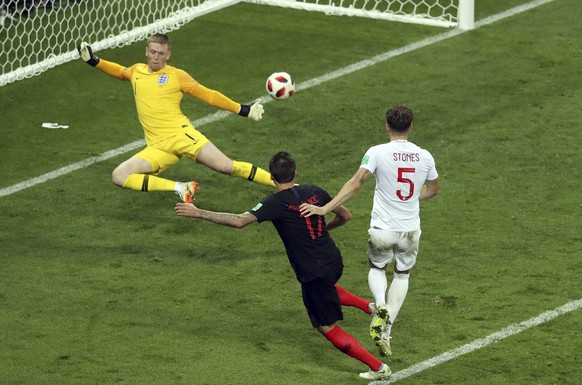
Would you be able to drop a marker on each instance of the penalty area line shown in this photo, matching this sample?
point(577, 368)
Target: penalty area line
point(70, 168)
point(482, 342)
point(94, 159)
point(265, 99)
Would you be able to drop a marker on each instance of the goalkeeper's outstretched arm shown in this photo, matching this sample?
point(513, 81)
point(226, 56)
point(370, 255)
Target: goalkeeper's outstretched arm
point(253, 111)
point(87, 55)
point(110, 68)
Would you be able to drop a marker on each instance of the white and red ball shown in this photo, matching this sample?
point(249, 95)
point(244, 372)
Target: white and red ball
point(280, 85)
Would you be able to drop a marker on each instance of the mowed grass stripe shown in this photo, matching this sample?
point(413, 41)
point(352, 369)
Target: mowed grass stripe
point(265, 99)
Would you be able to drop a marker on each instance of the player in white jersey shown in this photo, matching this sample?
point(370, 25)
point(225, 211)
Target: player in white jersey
point(405, 174)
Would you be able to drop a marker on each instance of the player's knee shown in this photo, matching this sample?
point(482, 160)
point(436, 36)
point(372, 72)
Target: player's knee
point(324, 329)
point(118, 177)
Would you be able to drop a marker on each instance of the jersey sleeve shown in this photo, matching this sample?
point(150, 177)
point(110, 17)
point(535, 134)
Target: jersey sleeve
point(266, 210)
point(116, 70)
point(369, 161)
point(432, 171)
point(207, 95)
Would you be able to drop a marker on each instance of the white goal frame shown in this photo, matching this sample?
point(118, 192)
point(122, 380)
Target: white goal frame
point(456, 13)
point(26, 61)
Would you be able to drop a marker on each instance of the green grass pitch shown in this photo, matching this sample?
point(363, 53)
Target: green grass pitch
point(100, 285)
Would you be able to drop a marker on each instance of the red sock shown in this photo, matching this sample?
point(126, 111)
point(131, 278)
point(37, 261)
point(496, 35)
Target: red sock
point(350, 299)
point(350, 346)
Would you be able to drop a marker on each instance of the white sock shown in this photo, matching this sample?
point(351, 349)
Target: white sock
point(396, 295)
point(178, 187)
point(378, 284)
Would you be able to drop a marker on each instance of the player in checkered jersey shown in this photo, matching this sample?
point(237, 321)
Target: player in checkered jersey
point(312, 253)
point(405, 174)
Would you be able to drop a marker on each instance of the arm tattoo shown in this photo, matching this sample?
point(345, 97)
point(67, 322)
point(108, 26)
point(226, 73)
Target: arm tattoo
point(364, 177)
point(226, 219)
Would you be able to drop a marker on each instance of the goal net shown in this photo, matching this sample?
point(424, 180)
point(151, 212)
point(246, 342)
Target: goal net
point(36, 35)
point(441, 13)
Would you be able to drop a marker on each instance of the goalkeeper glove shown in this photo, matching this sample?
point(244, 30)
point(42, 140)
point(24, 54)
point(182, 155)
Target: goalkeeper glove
point(87, 54)
point(253, 111)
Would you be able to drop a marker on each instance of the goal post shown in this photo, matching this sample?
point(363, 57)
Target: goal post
point(466, 14)
point(440, 13)
point(36, 35)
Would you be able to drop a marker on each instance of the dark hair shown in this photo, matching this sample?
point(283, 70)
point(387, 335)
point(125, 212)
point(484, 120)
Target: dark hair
point(399, 118)
point(160, 38)
point(282, 167)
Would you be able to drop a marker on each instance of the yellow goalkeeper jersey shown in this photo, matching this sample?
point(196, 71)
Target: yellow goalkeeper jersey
point(158, 96)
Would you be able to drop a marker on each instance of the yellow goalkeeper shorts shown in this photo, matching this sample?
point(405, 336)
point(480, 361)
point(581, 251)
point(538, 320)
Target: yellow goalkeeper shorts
point(168, 151)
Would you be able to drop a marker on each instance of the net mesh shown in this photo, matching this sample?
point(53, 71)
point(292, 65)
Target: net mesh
point(38, 35)
point(431, 12)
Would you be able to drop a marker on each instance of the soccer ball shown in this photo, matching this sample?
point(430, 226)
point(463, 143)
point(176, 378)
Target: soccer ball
point(280, 85)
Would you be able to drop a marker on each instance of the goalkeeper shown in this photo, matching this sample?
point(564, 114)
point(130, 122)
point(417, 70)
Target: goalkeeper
point(158, 89)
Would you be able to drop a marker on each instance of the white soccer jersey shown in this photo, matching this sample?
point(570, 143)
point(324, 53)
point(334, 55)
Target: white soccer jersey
point(401, 169)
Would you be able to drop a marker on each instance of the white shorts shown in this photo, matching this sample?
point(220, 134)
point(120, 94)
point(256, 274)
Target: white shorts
point(385, 246)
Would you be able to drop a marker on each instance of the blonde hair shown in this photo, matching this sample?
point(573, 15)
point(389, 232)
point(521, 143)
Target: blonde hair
point(160, 38)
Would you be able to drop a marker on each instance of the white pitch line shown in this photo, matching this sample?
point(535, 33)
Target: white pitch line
point(482, 342)
point(265, 99)
point(70, 168)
